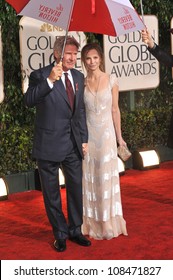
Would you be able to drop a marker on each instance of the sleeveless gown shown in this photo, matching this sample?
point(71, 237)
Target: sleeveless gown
point(102, 208)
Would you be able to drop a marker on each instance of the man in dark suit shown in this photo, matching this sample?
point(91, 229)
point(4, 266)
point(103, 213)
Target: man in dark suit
point(60, 139)
point(166, 59)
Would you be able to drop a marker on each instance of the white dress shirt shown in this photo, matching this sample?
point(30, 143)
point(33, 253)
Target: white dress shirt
point(70, 78)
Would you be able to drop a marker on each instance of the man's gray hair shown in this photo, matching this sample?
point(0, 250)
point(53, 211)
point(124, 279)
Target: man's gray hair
point(59, 43)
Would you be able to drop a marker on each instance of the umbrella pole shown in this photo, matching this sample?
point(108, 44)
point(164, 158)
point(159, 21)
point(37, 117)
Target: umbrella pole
point(142, 11)
point(65, 40)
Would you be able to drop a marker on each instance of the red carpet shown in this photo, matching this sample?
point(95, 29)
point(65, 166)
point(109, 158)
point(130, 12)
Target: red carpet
point(147, 198)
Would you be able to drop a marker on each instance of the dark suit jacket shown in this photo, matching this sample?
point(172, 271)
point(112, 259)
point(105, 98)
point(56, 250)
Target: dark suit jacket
point(54, 118)
point(162, 56)
point(166, 59)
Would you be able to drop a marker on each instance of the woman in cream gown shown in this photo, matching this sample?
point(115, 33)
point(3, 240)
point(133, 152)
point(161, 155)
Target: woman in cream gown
point(102, 208)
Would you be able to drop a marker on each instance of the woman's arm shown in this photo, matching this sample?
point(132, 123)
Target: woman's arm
point(116, 115)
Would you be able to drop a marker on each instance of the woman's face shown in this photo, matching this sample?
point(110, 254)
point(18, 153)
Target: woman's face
point(92, 60)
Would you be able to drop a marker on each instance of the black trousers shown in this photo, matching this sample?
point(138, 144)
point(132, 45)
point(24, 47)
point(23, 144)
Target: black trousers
point(72, 169)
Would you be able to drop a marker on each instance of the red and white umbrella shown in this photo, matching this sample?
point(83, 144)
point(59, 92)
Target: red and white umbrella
point(109, 17)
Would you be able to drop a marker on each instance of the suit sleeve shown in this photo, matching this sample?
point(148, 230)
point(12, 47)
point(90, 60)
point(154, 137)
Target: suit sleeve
point(37, 90)
point(162, 56)
point(82, 119)
point(82, 123)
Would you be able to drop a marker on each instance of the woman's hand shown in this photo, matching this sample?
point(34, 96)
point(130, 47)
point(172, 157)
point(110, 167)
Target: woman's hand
point(85, 148)
point(121, 142)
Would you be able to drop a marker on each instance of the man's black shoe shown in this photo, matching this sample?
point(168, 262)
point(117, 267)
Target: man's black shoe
point(60, 245)
point(80, 240)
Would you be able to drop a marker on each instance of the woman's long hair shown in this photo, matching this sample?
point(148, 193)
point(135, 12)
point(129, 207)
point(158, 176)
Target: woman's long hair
point(93, 46)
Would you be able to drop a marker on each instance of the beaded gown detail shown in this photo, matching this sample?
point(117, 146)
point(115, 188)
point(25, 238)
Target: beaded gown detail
point(102, 208)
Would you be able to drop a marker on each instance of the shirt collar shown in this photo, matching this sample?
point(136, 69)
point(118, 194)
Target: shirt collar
point(69, 72)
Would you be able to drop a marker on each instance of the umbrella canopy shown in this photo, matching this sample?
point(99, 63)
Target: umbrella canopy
point(109, 17)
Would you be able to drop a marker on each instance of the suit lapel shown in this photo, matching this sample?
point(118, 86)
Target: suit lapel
point(61, 89)
point(59, 86)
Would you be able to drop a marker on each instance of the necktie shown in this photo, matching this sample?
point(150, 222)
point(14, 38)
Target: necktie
point(69, 90)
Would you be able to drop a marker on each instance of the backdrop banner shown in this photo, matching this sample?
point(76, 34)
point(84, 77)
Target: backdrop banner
point(1, 72)
point(127, 56)
point(36, 45)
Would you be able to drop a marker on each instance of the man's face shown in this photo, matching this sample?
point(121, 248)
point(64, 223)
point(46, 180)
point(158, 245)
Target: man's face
point(69, 58)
